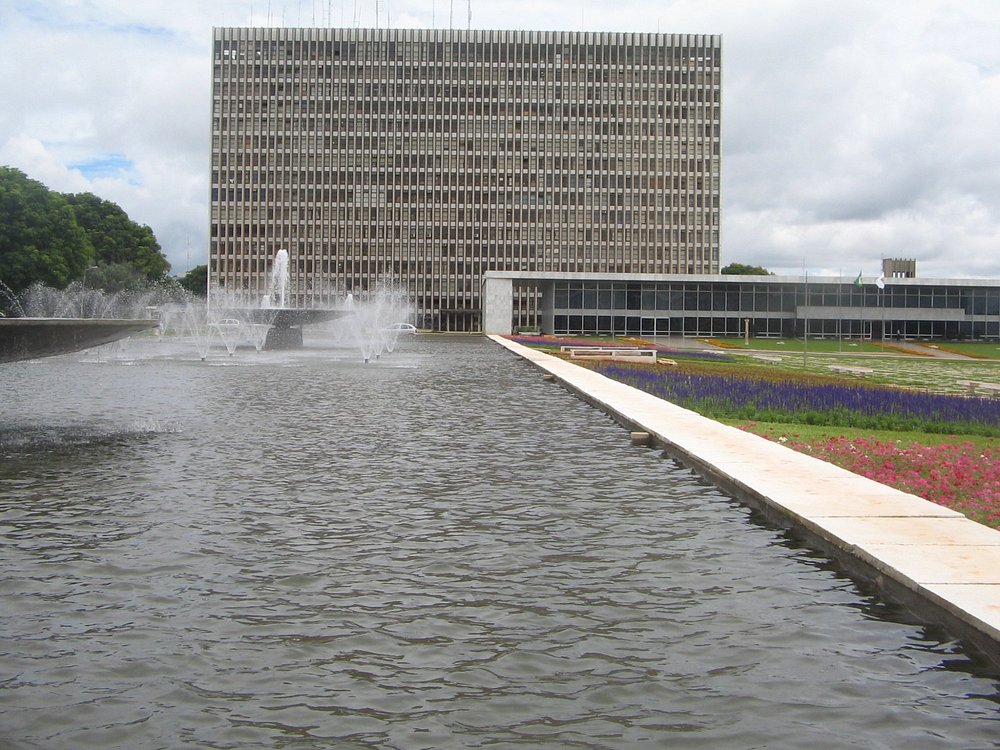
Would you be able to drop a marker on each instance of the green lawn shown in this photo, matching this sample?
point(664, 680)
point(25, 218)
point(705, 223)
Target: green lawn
point(922, 373)
point(893, 367)
point(979, 349)
point(816, 433)
point(818, 346)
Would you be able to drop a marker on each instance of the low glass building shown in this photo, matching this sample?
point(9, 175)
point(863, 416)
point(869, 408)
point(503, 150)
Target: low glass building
point(763, 306)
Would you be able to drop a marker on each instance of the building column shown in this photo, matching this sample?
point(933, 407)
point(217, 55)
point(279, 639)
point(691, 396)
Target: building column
point(498, 306)
point(546, 306)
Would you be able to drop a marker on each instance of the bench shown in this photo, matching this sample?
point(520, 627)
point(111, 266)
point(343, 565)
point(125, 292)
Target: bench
point(975, 386)
point(846, 370)
point(609, 352)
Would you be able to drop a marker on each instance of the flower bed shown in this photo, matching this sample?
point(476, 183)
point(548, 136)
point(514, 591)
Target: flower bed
point(811, 401)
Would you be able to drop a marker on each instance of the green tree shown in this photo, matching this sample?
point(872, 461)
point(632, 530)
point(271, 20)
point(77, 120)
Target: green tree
point(741, 269)
point(121, 246)
point(196, 281)
point(40, 239)
point(114, 277)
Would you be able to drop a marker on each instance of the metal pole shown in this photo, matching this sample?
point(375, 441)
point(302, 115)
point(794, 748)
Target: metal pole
point(840, 312)
point(881, 298)
point(805, 316)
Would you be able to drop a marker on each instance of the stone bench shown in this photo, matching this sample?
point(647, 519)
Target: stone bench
point(846, 370)
point(610, 352)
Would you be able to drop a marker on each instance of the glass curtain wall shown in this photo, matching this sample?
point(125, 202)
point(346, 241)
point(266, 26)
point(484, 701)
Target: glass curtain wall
point(822, 309)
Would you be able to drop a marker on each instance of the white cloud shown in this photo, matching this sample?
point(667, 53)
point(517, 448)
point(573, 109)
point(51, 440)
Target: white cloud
point(40, 163)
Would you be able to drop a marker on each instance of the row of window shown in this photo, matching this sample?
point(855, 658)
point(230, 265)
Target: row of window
point(466, 189)
point(775, 298)
point(637, 85)
point(659, 243)
point(734, 326)
point(412, 45)
point(463, 68)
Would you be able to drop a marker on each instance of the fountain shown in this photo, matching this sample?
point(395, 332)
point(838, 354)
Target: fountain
point(55, 321)
point(374, 323)
point(284, 323)
point(279, 281)
point(371, 321)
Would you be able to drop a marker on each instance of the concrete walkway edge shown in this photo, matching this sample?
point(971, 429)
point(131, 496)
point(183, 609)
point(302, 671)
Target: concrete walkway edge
point(942, 566)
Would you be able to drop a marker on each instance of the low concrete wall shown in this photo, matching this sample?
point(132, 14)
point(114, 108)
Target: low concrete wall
point(942, 566)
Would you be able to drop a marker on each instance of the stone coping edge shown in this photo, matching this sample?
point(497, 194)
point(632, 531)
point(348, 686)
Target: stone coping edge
point(969, 609)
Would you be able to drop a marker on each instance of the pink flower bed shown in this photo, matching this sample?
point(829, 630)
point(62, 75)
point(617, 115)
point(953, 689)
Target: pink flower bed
point(959, 476)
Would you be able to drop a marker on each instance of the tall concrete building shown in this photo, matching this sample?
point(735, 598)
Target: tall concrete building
point(431, 157)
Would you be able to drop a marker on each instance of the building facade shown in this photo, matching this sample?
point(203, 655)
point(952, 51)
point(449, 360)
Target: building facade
point(428, 158)
point(760, 306)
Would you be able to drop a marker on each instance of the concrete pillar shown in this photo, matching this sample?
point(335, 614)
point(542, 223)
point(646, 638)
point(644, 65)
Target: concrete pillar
point(546, 306)
point(498, 306)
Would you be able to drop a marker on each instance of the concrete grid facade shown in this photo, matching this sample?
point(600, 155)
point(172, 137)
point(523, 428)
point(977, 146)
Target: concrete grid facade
point(431, 157)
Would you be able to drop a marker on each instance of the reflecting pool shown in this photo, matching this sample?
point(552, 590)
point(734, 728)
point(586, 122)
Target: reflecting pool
point(436, 550)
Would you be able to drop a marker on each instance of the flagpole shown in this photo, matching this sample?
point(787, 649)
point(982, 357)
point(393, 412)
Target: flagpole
point(880, 283)
point(805, 314)
point(861, 308)
point(840, 311)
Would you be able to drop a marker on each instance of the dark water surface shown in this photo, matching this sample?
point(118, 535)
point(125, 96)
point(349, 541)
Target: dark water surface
point(435, 551)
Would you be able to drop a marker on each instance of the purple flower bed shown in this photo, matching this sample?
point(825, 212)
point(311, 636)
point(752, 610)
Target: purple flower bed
point(873, 407)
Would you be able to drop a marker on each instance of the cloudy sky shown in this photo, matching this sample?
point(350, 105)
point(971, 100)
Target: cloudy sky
point(852, 130)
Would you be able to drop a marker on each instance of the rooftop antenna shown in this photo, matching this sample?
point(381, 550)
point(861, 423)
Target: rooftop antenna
point(470, 16)
point(451, 14)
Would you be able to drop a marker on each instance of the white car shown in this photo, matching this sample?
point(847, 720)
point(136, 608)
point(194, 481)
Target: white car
point(402, 328)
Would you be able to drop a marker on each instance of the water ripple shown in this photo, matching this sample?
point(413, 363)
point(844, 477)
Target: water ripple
point(443, 553)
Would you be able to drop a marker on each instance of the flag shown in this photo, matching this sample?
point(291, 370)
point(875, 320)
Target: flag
point(857, 281)
point(880, 281)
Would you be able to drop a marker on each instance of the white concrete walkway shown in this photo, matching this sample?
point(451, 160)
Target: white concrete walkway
point(945, 567)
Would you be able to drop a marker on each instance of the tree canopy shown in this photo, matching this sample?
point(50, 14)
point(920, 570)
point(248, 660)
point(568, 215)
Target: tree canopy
point(741, 269)
point(40, 239)
point(54, 239)
point(196, 281)
point(117, 240)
